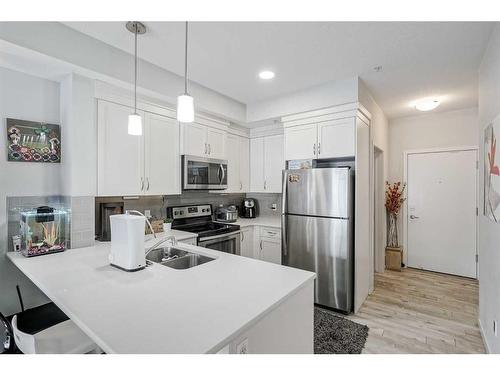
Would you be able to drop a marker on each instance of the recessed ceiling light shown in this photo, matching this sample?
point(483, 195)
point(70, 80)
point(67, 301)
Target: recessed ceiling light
point(427, 104)
point(266, 74)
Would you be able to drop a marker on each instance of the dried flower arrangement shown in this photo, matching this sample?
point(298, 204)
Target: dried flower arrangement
point(393, 202)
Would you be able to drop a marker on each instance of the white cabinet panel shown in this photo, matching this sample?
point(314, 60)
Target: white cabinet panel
point(195, 139)
point(301, 142)
point(162, 155)
point(270, 251)
point(244, 164)
point(246, 237)
point(337, 138)
point(233, 163)
point(216, 141)
point(274, 163)
point(257, 165)
point(120, 155)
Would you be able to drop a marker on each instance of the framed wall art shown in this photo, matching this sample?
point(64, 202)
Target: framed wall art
point(34, 142)
point(491, 172)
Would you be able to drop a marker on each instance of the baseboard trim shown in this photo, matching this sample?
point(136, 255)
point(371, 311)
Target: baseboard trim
point(485, 343)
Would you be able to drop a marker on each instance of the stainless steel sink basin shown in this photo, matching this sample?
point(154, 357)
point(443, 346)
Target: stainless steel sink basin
point(177, 258)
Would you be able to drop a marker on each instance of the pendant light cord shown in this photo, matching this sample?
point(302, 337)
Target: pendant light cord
point(135, 70)
point(186, 62)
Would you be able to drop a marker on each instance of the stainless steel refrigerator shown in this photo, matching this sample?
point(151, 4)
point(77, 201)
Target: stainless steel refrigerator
point(317, 230)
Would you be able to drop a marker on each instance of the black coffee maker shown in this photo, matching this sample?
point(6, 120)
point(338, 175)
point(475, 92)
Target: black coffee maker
point(249, 208)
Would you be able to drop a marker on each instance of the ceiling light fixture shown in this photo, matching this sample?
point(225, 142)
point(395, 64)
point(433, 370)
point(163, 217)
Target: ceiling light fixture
point(185, 102)
point(427, 104)
point(134, 119)
point(266, 74)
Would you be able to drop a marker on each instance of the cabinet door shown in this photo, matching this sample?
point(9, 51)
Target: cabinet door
point(120, 156)
point(216, 140)
point(246, 238)
point(195, 139)
point(270, 251)
point(301, 142)
point(233, 164)
point(274, 163)
point(162, 155)
point(244, 164)
point(337, 138)
point(257, 165)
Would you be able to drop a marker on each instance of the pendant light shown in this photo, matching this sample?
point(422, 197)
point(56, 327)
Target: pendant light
point(185, 102)
point(134, 119)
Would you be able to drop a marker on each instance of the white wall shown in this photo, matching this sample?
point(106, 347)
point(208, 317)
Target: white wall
point(28, 98)
point(322, 96)
point(489, 232)
point(445, 129)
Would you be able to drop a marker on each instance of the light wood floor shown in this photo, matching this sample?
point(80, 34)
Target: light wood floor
point(417, 311)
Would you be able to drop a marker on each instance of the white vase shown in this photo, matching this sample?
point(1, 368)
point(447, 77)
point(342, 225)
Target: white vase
point(167, 227)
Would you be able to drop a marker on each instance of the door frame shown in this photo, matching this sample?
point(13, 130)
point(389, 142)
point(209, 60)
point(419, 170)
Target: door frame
point(404, 215)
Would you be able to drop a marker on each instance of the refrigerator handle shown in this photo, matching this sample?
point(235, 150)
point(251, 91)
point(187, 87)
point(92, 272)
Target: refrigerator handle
point(284, 245)
point(284, 207)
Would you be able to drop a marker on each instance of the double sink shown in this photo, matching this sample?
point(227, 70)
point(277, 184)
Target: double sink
point(177, 258)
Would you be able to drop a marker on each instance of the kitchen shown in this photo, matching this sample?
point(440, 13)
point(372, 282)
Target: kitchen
point(228, 225)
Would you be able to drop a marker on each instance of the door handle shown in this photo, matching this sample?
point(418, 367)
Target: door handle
point(314, 149)
point(209, 149)
point(265, 185)
point(319, 148)
point(283, 237)
point(241, 185)
point(414, 217)
point(260, 245)
point(147, 188)
point(206, 149)
point(142, 184)
point(242, 236)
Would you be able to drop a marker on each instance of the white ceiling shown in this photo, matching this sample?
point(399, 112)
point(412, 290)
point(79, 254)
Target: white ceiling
point(418, 59)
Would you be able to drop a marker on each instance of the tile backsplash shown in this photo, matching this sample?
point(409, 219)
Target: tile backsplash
point(266, 202)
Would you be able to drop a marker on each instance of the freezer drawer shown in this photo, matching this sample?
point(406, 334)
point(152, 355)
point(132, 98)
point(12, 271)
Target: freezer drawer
point(324, 246)
point(317, 192)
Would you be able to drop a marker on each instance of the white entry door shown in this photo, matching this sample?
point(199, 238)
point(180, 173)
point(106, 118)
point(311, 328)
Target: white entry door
point(441, 213)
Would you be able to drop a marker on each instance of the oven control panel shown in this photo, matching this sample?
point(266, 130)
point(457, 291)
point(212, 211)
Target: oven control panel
point(191, 211)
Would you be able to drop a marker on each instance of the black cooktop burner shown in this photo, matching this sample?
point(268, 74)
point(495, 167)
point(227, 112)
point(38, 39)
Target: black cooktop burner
point(208, 229)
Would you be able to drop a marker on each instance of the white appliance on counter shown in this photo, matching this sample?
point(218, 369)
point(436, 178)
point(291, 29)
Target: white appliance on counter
point(127, 242)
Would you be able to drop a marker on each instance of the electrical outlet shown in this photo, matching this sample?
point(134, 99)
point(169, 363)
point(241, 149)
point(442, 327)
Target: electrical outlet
point(274, 206)
point(495, 328)
point(147, 213)
point(242, 347)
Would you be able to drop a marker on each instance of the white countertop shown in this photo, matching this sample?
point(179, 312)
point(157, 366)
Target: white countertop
point(160, 309)
point(178, 234)
point(265, 221)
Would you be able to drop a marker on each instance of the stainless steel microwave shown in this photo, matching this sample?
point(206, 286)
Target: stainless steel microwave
point(203, 173)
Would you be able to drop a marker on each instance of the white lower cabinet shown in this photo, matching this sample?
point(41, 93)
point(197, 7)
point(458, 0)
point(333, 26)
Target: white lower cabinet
point(267, 245)
point(247, 241)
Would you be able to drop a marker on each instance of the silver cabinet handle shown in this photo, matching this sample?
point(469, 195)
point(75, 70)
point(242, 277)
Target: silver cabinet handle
point(242, 236)
point(142, 184)
point(209, 149)
point(147, 188)
point(319, 148)
point(265, 185)
point(414, 217)
point(314, 149)
point(241, 185)
point(206, 149)
point(260, 245)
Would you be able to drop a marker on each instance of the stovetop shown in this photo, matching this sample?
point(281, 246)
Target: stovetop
point(207, 229)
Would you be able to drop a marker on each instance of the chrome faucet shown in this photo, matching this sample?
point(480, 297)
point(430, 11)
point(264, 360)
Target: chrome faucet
point(172, 239)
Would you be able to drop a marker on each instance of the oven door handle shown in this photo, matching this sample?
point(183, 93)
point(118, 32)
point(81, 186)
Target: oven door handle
point(229, 235)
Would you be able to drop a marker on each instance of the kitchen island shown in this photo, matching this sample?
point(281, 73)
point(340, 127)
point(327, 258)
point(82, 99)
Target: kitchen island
point(228, 305)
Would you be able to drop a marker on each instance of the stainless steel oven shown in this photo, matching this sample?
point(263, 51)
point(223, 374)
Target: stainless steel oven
point(227, 242)
point(203, 173)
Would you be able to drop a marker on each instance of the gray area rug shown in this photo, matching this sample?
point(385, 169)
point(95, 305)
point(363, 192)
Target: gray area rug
point(336, 335)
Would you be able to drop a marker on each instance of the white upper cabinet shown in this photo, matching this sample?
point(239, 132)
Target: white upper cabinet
point(136, 165)
point(244, 164)
point(195, 139)
point(301, 142)
point(324, 140)
point(337, 138)
point(274, 163)
point(204, 141)
point(120, 155)
point(266, 164)
point(257, 165)
point(216, 141)
point(238, 164)
point(162, 160)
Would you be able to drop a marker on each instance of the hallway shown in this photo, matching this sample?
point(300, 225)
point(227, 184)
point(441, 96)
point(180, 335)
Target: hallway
point(416, 311)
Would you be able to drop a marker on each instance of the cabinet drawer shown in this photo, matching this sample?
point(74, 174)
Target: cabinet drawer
point(270, 233)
